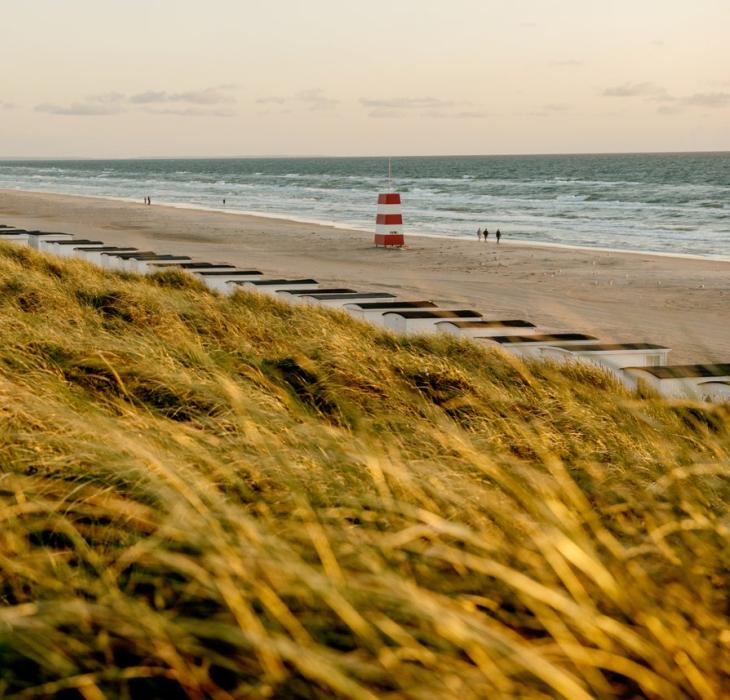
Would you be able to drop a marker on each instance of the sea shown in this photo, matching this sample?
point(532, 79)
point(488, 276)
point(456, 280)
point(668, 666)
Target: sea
point(677, 204)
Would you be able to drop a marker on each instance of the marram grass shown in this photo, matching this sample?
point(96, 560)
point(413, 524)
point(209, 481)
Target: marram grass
point(215, 497)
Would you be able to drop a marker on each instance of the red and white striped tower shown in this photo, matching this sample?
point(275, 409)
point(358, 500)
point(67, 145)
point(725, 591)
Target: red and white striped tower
point(389, 221)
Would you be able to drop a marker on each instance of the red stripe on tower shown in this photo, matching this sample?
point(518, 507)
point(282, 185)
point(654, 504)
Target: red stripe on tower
point(391, 198)
point(390, 219)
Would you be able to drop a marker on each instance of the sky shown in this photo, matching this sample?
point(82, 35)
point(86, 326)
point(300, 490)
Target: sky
point(186, 78)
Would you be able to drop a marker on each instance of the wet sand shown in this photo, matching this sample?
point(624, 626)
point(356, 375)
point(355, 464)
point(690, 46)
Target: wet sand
point(620, 297)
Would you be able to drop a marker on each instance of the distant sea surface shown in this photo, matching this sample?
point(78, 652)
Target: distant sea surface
point(668, 203)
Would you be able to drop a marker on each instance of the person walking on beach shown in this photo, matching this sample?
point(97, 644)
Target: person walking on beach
point(499, 235)
point(479, 234)
point(486, 234)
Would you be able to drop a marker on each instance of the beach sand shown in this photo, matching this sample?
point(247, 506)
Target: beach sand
point(620, 297)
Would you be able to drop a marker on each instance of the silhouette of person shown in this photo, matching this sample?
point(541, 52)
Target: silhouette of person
point(224, 201)
point(479, 234)
point(486, 235)
point(499, 235)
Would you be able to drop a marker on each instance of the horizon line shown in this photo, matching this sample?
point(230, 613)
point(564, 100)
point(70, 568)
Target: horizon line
point(7, 159)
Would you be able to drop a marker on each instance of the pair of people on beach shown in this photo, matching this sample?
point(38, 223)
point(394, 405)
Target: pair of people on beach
point(485, 234)
point(148, 200)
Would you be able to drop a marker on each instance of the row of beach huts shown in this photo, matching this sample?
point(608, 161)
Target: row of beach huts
point(631, 363)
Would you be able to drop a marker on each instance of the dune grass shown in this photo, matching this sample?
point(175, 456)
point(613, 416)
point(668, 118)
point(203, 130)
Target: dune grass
point(215, 497)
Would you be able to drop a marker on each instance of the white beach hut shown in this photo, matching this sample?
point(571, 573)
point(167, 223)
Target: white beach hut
point(97, 255)
point(38, 239)
point(16, 236)
point(140, 264)
point(271, 286)
point(218, 281)
point(373, 311)
point(67, 248)
point(614, 355)
point(681, 381)
point(191, 267)
point(483, 328)
point(339, 300)
point(116, 260)
point(425, 321)
point(296, 296)
point(530, 346)
point(715, 391)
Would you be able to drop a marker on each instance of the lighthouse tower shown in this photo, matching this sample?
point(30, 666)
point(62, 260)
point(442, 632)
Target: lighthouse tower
point(389, 221)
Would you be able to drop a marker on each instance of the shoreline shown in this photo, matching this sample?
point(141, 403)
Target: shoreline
point(340, 226)
point(618, 297)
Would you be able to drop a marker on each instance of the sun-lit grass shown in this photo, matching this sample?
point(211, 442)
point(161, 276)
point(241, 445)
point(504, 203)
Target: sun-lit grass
point(230, 497)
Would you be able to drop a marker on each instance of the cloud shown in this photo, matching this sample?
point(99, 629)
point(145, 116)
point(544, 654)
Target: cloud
point(313, 99)
point(711, 100)
point(191, 112)
point(107, 98)
point(6, 105)
point(437, 114)
point(426, 107)
point(316, 99)
point(207, 96)
point(634, 90)
point(207, 102)
point(80, 109)
point(272, 100)
point(406, 103)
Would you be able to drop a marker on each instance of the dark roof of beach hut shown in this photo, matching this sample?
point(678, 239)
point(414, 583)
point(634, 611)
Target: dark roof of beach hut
point(518, 339)
point(374, 305)
point(314, 294)
point(78, 242)
point(611, 347)
point(269, 282)
point(510, 323)
point(441, 313)
point(326, 291)
point(194, 265)
point(687, 371)
point(106, 248)
point(231, 273)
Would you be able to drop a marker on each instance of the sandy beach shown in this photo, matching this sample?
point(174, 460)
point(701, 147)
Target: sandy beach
point(621, 297)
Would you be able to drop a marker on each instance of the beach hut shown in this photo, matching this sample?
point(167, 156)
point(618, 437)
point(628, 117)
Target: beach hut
point(294, 296)
point(373, 311)
point(67, 248)
point(147, 267)
point(16, 236)
point(424, 321)
point(38, 239)
point(614, 355)
point(271, 286)
point(218, 280)
point(530, 346)
point(482, 327)
point(389, 221)
point(115, 260)
point(339, 300)
point(140, 264)
point(680, 381)
point(715, 391)
point(96, 255)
